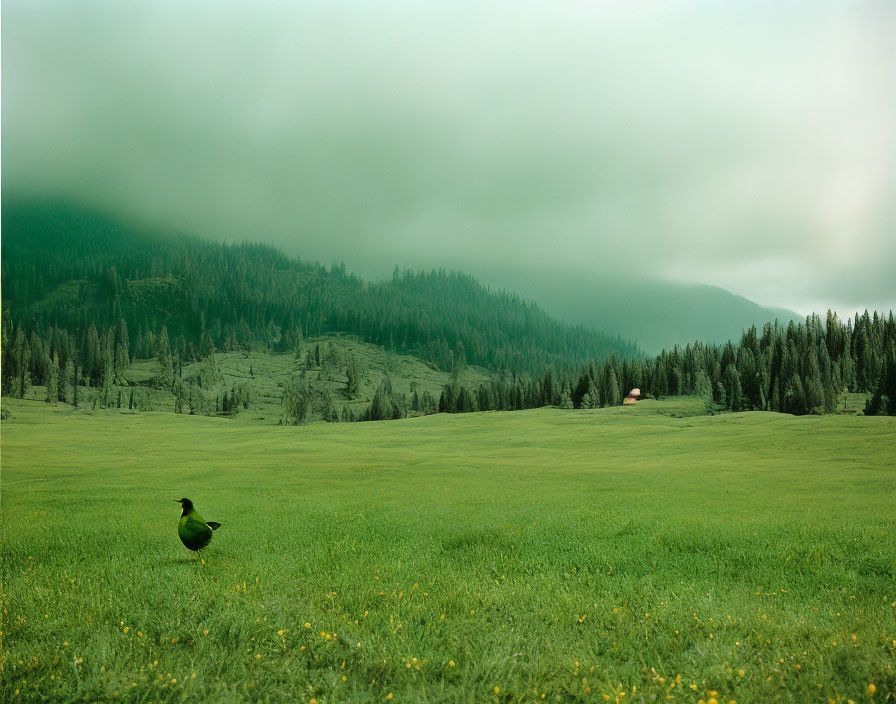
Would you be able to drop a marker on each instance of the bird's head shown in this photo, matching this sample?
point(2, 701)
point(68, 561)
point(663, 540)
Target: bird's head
point(186, 504)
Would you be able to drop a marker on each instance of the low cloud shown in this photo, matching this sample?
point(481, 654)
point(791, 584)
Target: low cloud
point(748, 146)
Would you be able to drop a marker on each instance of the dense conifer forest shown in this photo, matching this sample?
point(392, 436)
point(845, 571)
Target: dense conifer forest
point(83, 284)
point(801, 369)
point(84, 296)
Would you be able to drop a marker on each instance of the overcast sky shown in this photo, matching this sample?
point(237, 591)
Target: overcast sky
point(750, 145)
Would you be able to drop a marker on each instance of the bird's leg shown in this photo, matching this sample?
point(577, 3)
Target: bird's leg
point(200, 557)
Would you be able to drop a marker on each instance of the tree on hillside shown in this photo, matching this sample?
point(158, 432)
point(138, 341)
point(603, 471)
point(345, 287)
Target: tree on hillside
point(591, 397)
point(381, 406)
point(428, 404)
point(107, 374)
point(67, 383)
point(76, 380)
point(565, 399)
point(610, 395)
point(704, 391)
point(733, 391)
point(122, 349)
point(328, 410)
point(53, 380)
point(883, 400)
point(296, 402)
point(166, 376)
point(352, 374)
point(206, 345)
point(22, 358)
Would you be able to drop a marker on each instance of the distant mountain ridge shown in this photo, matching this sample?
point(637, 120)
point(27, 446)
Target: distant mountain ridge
point(656, 314)
point(73, 268)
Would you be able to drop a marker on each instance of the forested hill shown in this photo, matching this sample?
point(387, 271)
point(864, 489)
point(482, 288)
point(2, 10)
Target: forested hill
point(71, 269)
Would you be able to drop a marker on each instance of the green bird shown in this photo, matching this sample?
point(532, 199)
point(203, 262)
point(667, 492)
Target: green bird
point(194, 531)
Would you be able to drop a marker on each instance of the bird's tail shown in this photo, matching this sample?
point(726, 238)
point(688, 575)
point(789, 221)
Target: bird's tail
point(213, 525)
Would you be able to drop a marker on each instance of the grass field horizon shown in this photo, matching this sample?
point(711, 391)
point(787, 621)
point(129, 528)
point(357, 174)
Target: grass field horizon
point(646, 553)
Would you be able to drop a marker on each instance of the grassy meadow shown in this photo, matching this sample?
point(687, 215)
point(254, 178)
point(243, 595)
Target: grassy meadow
point(636, 554)
point(266, 374)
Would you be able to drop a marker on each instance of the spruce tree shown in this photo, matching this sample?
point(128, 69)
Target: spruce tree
point(206, 346)
point(352, 373)
point(67, 382)
point(565, 399)
point(107, 375)
point(591, 399)
point(610, 395)
point(704, 391)
point(53, 380)
point(22, 356)
point(733, 390)
point(794, 398)
point(813, 388)
point(166, 376)
point(122, 349)
point(75, 384)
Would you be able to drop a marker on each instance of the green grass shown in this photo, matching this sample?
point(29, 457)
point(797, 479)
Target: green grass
point(266, 375)
point(550, 555)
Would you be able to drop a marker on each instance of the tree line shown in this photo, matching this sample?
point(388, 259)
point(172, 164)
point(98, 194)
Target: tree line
point(64, 269)
point(83, 297)
point(801, 368)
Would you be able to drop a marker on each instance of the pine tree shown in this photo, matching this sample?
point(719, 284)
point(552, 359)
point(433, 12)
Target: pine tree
point(659, 384)
point(108, 372)
point(352, 373)
point(53, 380)
point(67, 382)
point(122, 349)
point(92, 359)
point(464, 401)
point(381, 406)
point(166, 376)
point(297, 343)
point(328, 409)
point(22, 356)
point(749, 375)
point(565, 399)
point(610, 395)
point(794, 399)
point(591, 399)
point(206, 345)
point(813, 388)
point(704, 391)
point(8, 359)
point(297, 402)
point(733, 390)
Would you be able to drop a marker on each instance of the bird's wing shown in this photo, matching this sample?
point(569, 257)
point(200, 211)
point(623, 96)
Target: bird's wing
point(213, 525)
point(194, 526)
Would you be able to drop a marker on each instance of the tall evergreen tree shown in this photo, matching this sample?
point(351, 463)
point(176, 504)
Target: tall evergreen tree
point(53, 380)
point(22, 357)
point(166, 376)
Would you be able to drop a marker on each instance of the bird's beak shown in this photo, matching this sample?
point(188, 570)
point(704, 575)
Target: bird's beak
point(177, 501)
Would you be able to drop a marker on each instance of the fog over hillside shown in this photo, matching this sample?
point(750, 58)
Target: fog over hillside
point(748, 146)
